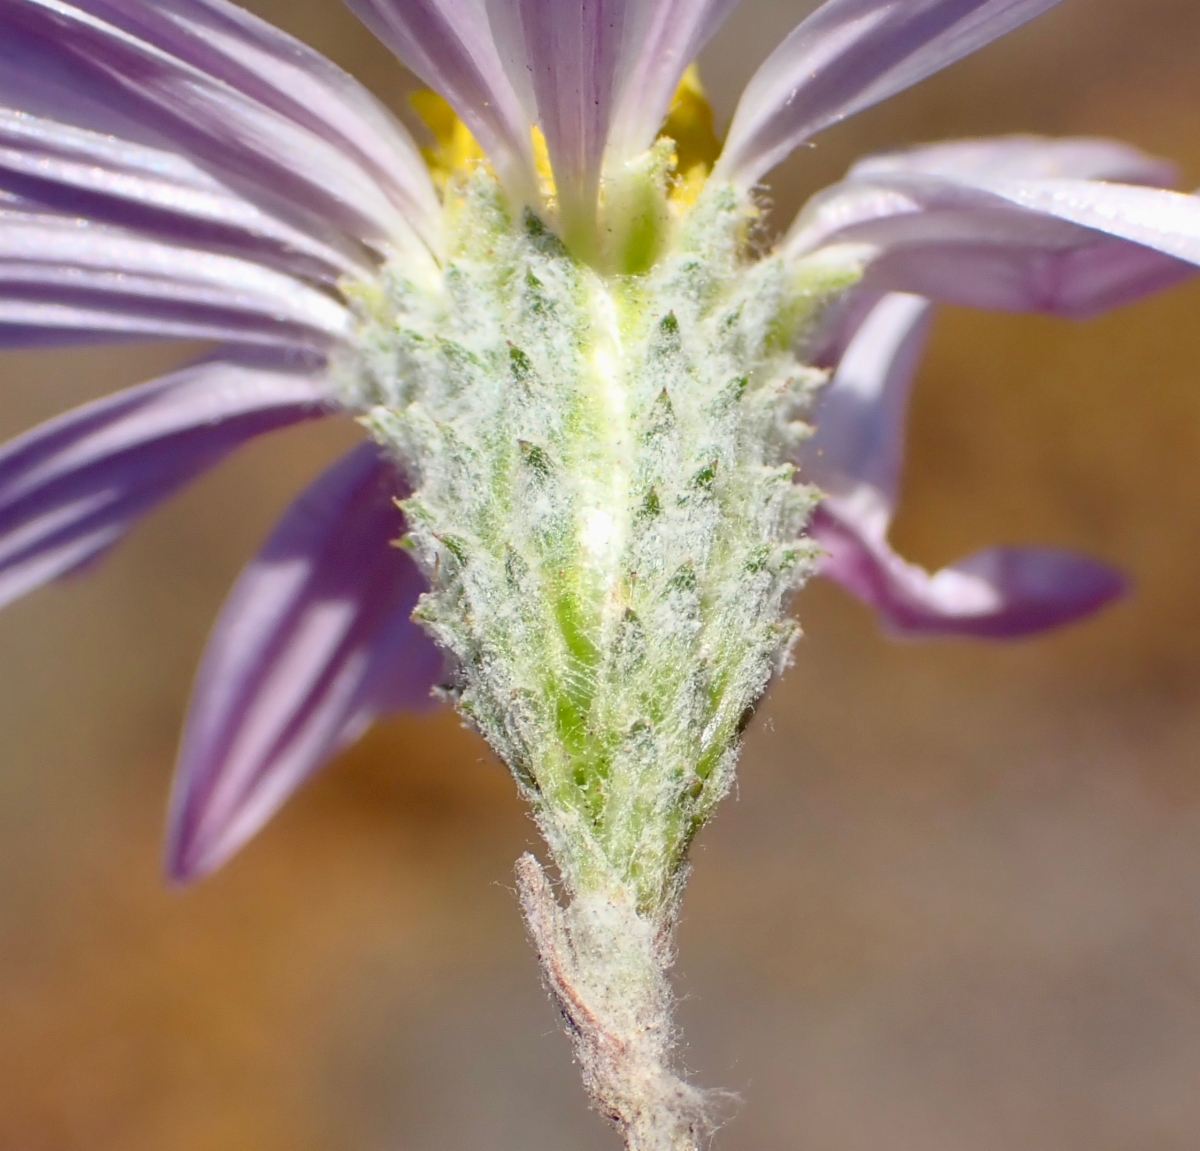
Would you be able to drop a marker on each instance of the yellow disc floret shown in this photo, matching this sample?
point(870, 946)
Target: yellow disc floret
point(689, 126)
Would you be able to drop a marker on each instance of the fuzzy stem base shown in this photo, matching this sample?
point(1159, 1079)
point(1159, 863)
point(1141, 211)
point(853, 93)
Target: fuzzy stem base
point(605, 966)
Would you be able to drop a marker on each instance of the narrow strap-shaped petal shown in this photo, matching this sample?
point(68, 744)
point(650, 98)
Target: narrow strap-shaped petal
point(848, 55)
point(74, 273)
point(857, 451)
point(113, 47)
point(71, 488)
point(314, 638)
point(450, 45)
point(979, 223)
point(598, 76)
point(286, 75)
point(1000, 593)
point(856, 456)
point(667, 36)
point(571, 52)
point(1024, 157)
point(154, 192)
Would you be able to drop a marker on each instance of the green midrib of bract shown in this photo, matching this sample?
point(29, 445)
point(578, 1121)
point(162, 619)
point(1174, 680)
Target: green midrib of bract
point(604, 507)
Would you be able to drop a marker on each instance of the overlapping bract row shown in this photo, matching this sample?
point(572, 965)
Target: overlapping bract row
point(180, 169)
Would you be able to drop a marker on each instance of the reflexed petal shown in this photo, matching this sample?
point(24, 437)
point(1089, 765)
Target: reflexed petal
point(856, 457)
point(1074, 283)
point(848, 55)
point(314, 640)
point(71, 488)
point(61, 273)
point(249, 121)
point(450, 45)
point(860, 415)
point(1001, 593)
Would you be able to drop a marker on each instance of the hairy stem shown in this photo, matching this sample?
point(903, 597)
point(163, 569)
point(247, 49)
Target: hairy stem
point(605, 966)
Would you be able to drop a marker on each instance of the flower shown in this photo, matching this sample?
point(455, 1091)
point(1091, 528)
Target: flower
point(180, 169)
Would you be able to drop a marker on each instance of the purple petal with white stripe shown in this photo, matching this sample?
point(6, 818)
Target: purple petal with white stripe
point(241, 123)
point(598, 76)
point(848, 55)
point(155, 192)
point(450, 45)
point(66, 275)
point(1000, 593)
point(71, 488)
point(668, 36)
point(571, 51)
point(978, 223)
point(313, 642)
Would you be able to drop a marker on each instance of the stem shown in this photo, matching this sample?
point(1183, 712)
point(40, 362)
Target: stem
point(605, 966)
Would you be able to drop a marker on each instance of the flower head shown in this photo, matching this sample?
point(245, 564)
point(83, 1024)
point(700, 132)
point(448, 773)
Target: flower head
point(180, 169)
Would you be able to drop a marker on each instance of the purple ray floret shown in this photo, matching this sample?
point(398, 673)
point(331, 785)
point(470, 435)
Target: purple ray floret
point(71, 488)
point(848, 55)
point(314, 641)
point(857, 455)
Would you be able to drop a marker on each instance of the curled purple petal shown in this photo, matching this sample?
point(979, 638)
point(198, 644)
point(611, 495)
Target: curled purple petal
point(860, 414)
point(848, 55)
point(71, 488)
point(314, 640)
point(1001, 593)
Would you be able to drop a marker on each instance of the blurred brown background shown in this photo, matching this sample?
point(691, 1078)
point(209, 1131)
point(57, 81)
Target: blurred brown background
point(954, 906)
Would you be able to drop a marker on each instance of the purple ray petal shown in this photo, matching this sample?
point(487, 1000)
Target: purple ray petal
point(571, 51)
point(114, 51)
point(967, 224)
point(848, 55)
point(71, 488)
point(52, 264)
point(1075, 284)
point(314, 639)
point(668, 36)
point(1025, 158)
point(598, 76)
point(1001, 593)
point(450, 45)
point(860, 415)
point(154, 192)
point(286, 75)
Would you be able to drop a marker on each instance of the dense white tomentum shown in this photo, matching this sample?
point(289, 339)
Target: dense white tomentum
point(605, 509)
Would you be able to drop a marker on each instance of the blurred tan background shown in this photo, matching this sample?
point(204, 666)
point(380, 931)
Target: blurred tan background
point(954, 905)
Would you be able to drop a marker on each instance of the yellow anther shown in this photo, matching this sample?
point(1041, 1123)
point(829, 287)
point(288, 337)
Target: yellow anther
point(454, 149)
point(689, 125)
point(541, 161)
